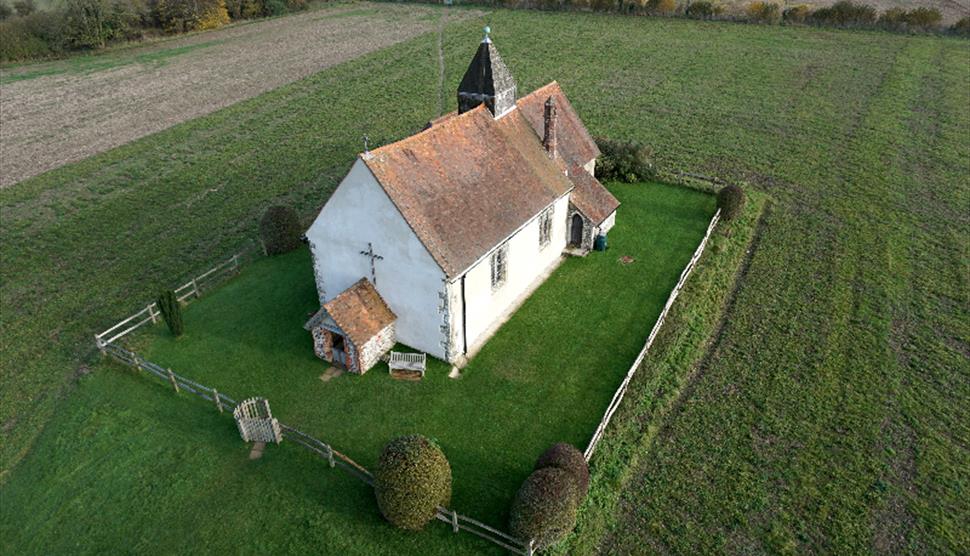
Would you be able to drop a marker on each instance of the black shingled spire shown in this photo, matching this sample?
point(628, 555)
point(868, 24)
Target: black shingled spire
point(487, 80)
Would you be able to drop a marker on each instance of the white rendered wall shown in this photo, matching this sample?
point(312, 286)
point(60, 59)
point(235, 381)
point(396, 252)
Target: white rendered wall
point(607, 224)
point(408, 279)
point(526, 262)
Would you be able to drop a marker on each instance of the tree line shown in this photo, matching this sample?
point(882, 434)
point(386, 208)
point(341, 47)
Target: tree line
point(30, 33)
point(844, 14)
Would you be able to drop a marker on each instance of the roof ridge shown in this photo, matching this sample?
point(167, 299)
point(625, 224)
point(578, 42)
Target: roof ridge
point(539, 90)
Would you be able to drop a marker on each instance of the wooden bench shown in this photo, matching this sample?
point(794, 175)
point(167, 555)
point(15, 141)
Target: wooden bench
point(407, 365)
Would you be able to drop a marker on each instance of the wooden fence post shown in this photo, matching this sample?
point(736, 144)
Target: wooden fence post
point(195, 287)
point(100, 344)
point(151, 314)
point(215, 396)
point(235, 262)
point(454, 521)
point(330, 457)
point(171, 378)
point(530, 549)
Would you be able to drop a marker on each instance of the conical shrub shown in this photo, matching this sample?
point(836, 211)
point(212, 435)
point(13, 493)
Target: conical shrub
point(171, 310)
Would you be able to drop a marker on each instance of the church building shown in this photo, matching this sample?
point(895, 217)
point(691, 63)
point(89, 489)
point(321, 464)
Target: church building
point(434, 240)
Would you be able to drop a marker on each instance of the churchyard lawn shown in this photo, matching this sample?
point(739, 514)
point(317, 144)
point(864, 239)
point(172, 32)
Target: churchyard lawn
point(546, 376)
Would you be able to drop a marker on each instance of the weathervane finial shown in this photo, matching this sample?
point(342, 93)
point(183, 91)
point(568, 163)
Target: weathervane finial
point(487, 31)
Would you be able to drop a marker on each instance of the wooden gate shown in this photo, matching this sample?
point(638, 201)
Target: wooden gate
point(256, 422)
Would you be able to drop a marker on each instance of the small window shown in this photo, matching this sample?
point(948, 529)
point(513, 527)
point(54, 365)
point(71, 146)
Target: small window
point(499, 263)
point(545, 227)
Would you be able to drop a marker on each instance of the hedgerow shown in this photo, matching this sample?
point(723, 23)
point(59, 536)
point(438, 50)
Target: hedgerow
point(703, 10)
point(74, 25)
point(626, 161)
point(412, 479)
point(763, 12)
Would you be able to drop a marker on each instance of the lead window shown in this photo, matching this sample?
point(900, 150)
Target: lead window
point(545, 227)
point(499, 264)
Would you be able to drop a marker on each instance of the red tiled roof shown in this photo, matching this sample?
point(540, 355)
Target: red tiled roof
point(575, 145)
point(468, 182)
point(590, 197)
point(360, 312)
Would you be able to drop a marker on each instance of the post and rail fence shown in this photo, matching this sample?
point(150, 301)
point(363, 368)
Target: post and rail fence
point(221, 402)
point(190, 290)
point(621, 391)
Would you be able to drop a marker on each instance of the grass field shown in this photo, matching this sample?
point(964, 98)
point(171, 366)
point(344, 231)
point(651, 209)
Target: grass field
point(526, 390)
point(832, 414)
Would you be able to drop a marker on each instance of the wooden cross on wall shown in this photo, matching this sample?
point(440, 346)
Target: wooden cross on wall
point(373, 257)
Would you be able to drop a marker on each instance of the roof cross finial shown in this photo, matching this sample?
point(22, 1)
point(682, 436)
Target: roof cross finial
point(366, 141)
point(487, 38)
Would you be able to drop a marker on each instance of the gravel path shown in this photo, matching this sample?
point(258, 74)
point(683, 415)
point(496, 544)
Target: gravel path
point(51, 120)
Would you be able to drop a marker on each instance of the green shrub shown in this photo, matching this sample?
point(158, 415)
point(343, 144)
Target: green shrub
point(893, 19)
point(763, 12)
point(545, 507)
point(24, 7)
point(411, 480)
point(5, 11)
point(180, 15)
point(627, 161)
point(661, 7)
point(924, 19)
point(568, 458)
point(730, 199)
point(703, 10)
point(17, 43)
point(171, 311)
point(274, 7)
point(796, 14)
point(38, 35)
point(962, 27)
point(280, 230)
point(94, 23)
point(845, 14)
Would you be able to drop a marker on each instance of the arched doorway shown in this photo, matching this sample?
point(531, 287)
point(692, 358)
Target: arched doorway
point(576, 231)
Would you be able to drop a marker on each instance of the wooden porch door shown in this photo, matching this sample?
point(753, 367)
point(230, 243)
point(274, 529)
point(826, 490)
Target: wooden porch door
point(576, 231)
point(339, 351)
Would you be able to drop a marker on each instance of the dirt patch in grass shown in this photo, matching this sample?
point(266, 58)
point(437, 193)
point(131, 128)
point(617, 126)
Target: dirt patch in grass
point(61, 112)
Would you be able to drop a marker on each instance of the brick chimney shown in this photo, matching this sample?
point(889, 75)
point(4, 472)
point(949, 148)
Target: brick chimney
point(549, 139)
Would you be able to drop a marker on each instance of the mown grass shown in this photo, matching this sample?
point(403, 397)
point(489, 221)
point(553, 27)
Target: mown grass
point(527, 389)
point(546, 377)
point(834, 409)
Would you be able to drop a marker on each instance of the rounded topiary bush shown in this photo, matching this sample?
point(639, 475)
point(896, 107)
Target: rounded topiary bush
point(568, 458)
point(412, 479)
point(545, 507)
point(280, 230)
point(730, 199)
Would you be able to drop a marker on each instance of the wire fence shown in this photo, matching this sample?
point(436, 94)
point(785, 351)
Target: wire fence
point(621, 391)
